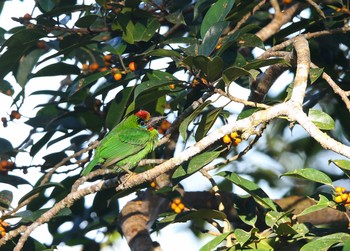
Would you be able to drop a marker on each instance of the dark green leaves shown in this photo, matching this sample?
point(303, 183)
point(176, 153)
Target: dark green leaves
point(216, 13)
point(57, 69)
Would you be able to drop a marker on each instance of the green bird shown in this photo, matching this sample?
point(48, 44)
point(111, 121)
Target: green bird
point(126, 144)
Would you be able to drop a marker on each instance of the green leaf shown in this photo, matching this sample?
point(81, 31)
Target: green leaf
point(38, 145)
point(214, 68)
point(26, 66)
point(233, 73)
point(343, 164)
point(259, 63)
point(321, 119)
point(195, 164)
point(206, 123)
point(118, 107)
point(314, 74)
point(13, 180)
point(6, 198)
point(216, 13)
point(190, 118)
point(325, 242)
point(86, 21)
point(321, 204)
point(250, 40)
point(5, 146)
point(57, 69)
point(310, 174)
point(23, 38)
point(176, 18)
point(211, 38)
point(145, 31)
point(242, 236)
point(7, 89)
point(39, 189)
point(156, 79)
point(164, 53)
point(250, 187)
point(211, 245)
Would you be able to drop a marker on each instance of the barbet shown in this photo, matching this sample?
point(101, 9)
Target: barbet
point(126, 144)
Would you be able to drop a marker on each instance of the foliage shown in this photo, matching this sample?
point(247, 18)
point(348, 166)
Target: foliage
point(176, 58)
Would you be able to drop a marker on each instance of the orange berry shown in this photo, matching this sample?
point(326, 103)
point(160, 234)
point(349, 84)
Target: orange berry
point(177, 201)
point(132, 66)
point(3, 163)
point(338, 199)
point(287, 1)
point(15, 115)
point(226, 139)
point(152, 184)
point(93, 67)
point(172, 86)
point(117, 76)
point(107, 57)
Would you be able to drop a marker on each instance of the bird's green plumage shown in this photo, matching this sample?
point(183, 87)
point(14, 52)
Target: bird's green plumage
point(126, 144)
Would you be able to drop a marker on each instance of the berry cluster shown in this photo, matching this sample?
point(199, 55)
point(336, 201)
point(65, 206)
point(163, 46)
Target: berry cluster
point(233, 138)
point(13, 115)
point(341, 196)
point(3, 227)
point(177, 206)
point(109, 65)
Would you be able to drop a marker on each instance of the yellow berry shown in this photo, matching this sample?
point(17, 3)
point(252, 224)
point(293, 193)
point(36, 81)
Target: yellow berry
point(172, 86)
point(234, 135)
point(153, 184)
point(117, 76)
point(338, 199)
point(226, 139)
point(344, 196)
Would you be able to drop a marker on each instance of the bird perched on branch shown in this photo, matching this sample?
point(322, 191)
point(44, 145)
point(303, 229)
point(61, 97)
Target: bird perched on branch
point(126, 144)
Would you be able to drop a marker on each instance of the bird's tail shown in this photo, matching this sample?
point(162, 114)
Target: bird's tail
point(90, 166)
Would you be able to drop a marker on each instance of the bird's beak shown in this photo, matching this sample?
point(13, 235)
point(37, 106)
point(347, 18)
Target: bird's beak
point(155, 120)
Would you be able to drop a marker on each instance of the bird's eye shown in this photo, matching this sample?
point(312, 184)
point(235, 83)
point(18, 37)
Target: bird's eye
point(141, 122)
